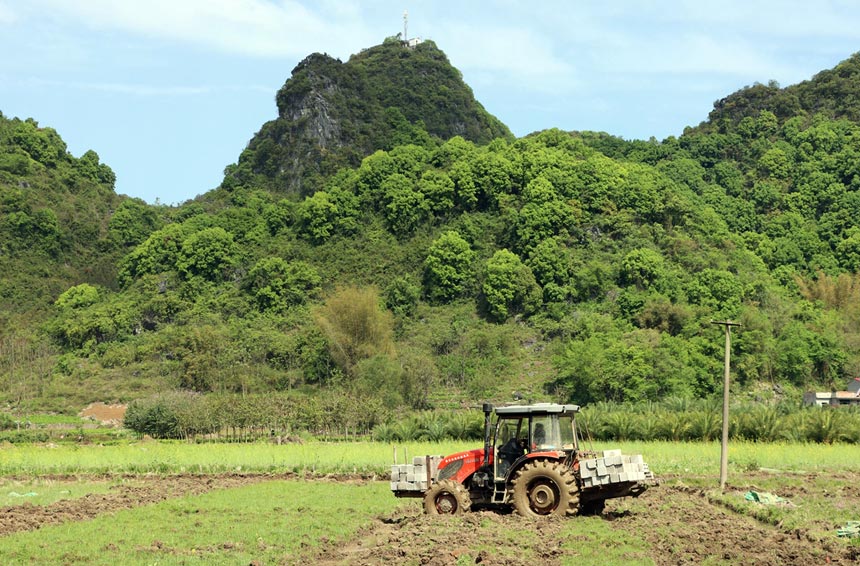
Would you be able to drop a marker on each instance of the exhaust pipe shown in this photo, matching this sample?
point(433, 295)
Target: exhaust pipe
point(488, 413)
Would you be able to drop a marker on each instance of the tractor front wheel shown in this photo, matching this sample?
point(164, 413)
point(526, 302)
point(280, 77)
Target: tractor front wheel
point(545, 488)
point(447, 497)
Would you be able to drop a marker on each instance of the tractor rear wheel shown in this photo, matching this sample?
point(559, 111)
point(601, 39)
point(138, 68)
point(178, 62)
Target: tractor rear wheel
point(447, 497)
point(545, 488)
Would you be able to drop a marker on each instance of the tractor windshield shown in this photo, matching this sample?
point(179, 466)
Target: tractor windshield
point(552, 432)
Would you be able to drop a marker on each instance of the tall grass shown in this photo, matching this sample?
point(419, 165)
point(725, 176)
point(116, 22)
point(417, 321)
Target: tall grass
point(701, 420)
point(433, 426)
point(181, 457)
point(704, 457)
point(168, 457)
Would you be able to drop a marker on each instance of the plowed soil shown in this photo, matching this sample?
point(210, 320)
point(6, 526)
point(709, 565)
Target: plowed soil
point(680, 526)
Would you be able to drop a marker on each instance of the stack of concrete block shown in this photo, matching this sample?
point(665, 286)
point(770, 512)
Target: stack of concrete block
point(613, 467)
point(413, 477)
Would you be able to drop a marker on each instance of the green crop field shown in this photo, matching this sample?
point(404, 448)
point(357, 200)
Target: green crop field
point(182, 503)
point(372, 457)
point(269, 522)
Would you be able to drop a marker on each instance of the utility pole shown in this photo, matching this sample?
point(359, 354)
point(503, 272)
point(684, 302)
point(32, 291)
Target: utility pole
point(724, 449)
point(405, 26)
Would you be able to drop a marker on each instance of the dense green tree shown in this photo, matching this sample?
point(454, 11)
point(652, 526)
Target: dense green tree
point(451, 152)
point(464, 185)
point(158, 253)
point(402, 296)
point(848, 250)
point(208, 254)
point(88, 166)
point(642, 267)
point(405, 207)
point(509, 286)
point(82, 295)
point(374, 170)
point(132, 223)
point(492, 176)
point(448, 268)
point(438, 189)
point(112, 318)
point(543, 216)
point(550, 263)
point(43, 145)
point(328, 212)
point(409, 160)
point(278, 284)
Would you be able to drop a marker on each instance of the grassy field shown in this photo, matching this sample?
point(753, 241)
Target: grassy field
point(293, 521)
point(265, 522)
point(288, 522)
point(370, 457)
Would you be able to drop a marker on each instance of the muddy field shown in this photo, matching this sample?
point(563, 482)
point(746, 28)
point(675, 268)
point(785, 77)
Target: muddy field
point(679, 525)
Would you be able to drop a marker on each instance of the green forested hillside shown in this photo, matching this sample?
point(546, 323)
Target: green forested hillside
point(60, 224)
point(413, 254)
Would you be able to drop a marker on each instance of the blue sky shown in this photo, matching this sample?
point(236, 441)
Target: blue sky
point(168, 92)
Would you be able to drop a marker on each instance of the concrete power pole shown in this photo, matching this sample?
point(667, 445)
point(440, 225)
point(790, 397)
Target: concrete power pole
point(724, 448)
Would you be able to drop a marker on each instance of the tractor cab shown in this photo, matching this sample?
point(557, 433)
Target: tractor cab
point(524, 431)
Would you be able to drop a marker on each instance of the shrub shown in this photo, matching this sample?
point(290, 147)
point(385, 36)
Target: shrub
point(166, 415)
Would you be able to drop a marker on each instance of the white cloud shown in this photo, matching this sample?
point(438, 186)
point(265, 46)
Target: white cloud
point(7, 15)
point(774, 18)
point(168, 90)
point(695, 53)
point(752, 40)
point(146, 90)
point(519, 54)
point(143, 90)
point(250, 27)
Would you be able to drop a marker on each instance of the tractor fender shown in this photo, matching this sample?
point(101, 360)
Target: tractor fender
point(550, 455)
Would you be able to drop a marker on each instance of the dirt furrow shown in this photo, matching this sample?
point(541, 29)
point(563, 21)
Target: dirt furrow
point(485, 537)
point(683, 527)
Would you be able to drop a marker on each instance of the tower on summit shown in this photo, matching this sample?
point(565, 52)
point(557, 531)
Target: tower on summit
point(406, 41)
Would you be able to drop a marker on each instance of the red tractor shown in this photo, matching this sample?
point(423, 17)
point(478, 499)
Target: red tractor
point(531, 460)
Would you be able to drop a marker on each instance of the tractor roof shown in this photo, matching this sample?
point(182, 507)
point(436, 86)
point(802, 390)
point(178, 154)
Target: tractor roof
point(537, 408)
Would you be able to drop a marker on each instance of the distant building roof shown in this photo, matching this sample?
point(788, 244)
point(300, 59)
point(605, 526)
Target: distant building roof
point(845, 395)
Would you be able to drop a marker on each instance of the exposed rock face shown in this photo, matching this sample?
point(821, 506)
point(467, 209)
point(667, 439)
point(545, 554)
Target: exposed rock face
point(332, 114)
point(313, 108)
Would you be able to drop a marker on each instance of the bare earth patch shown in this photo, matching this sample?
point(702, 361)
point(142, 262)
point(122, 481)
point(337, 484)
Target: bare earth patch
point(105, 414)
point(484, 537)
point(681, 526)
point(684, 527)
